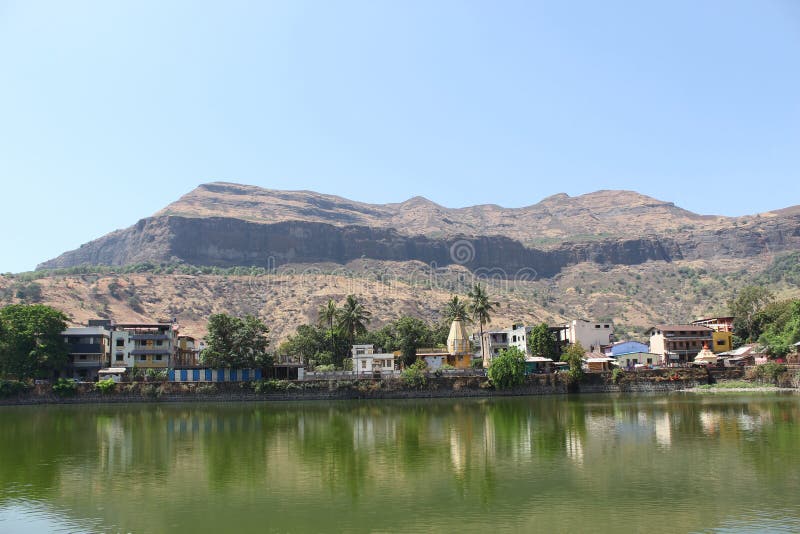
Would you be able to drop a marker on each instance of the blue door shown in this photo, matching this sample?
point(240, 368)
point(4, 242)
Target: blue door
point(196, 375)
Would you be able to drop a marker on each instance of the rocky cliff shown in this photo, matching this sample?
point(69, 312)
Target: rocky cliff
point(228, 225)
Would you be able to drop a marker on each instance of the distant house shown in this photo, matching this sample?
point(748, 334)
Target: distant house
point(143, 345)
point(679, 343)
point(722, 336)
point(458, 353)
point(632, 359)
point(496, 340)
point(367, 361)
point(88, 348)
point(187, 352)
point(598, 363)
point(537, 364)
point(628, 347)
point(592, 335)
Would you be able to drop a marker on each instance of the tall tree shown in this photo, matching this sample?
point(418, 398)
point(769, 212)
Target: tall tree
point(327, 316)
point(353, 318)
point(31, 341)
point(573, 355)
point(480, 308)
point(236, 342)
point(542, 342)
point(508, 368)
point(745, 308)
point(455, 309)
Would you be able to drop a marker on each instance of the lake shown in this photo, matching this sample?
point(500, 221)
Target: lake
point(646, 463)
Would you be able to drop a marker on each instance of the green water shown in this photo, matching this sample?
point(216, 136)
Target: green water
point(671, 463)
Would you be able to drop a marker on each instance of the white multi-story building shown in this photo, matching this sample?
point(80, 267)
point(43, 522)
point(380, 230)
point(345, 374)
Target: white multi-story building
point(496, 340)
point(366, 361)
point(147, 345)
point(591, 335)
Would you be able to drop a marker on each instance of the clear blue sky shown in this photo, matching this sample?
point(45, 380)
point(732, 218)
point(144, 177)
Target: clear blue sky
point(109, 110)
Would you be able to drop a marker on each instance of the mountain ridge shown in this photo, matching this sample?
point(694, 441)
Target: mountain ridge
point(227, 224)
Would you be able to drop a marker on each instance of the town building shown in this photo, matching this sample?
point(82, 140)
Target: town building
point(89, 348)
point(679, 343)
point(627, 347)
point(458, 353)
point(592, 335)
point(187, 352)
point(143, 345)
point(367, 361)
point(630, 360)
point(496, 340)
point(722, 338)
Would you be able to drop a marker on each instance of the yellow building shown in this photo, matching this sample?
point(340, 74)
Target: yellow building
point(722, 341)
point(459, 348)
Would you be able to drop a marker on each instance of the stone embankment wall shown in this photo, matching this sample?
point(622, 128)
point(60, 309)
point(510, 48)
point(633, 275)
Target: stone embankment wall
point(435, 387)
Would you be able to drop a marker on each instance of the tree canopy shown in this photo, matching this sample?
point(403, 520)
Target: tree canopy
point(31, 341)
point(745, 307)
point(542, 342)
point(236, 342)
point(456, 309)
point(508, 368)
point(573, 355)
point(480, 308)
point(353, 318)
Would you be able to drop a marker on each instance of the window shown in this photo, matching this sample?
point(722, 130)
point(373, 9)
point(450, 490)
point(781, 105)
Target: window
point(120, 342)
point(82, 356)
point(158, 357)
point(606, 326)
point(160, 342)
point(363, 364)
point(119, 357)
point(597, 326)
point(142, 358)
point(720, 342)
point(649, 361)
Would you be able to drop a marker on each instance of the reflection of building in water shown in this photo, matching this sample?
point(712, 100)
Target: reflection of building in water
point(363, 433)
point(710, 421)
point(663, 430)
point(114, 444)
point(458, 451)
point(489, 442)
point(574, 447)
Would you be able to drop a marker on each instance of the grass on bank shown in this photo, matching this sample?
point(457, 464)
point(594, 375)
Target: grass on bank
point(735, 384)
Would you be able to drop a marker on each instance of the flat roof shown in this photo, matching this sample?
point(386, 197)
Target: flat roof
point(112, 370)
point(85, 331)
point(681, 328)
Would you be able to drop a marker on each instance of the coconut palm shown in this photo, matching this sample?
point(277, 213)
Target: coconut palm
point(456, 310)
point(327, 314)
point(481, 308)
point(352, 318)
point(325, 317)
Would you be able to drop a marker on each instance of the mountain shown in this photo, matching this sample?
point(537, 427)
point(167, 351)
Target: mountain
point(224, 225)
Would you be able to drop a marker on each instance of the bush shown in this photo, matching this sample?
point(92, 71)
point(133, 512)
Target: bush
point(65, 387)
point(508, 369)
point(105, 386)
point(325, 368)
point(153, 391)
point(206, 389)
point(12, 388)
point(413, 376)
point(617, 374)
point(266, 386)
point(157, 375)
point(770, 371)
point(477, 364)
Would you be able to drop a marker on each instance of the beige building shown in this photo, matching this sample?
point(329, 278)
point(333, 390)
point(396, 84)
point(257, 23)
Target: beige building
point(679, 343)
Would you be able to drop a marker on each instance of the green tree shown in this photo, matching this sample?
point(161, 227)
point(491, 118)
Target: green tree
point(31, 341)
point(456, 309)
point(236, 342)
point(779, 323)
point(507, 369)
point(352, 318)
point(745, 308)
point(327, 317)
point(480, 308)
point(573, 355)
point(542, 342)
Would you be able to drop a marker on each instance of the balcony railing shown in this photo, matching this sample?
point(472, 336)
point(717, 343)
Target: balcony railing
point(164, 350)
point(84, 348)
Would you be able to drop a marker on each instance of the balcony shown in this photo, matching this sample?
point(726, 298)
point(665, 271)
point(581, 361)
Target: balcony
point(85, 348)
point(154, 337)
point(160, 350)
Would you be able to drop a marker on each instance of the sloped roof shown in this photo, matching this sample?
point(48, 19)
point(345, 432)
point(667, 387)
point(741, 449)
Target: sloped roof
point(458, 339)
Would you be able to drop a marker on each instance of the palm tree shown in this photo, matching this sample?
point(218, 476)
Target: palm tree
point(353, 318)
point(456, 310)
point(480, 307)
point(327, 314)
point(325, 317)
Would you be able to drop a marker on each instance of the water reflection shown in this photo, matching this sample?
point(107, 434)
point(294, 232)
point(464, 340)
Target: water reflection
point(403, 465)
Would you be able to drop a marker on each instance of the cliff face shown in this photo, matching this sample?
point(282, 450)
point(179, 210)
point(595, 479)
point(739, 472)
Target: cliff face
point(231, 241)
